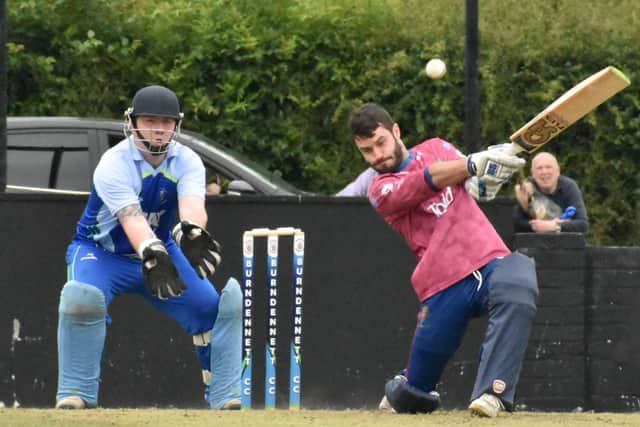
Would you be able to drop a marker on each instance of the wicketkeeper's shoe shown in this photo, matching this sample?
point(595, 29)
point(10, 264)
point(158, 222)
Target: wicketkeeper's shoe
point(385, 406)
point(487, 405)
point(232, 405)
point(71, 402)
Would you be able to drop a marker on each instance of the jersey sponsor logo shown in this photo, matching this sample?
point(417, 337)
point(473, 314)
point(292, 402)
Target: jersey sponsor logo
point(89, 257)
point(498, 386)
point(163, 196)
point(440, 208)
point(153, 218)
point(386, 189)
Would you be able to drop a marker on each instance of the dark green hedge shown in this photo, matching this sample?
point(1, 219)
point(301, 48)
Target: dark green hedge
point(276, 80)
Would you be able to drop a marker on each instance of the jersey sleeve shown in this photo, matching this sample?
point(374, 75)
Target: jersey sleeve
point(580, 221)
point(113, 183)
point(393, 194)
point(192, 181)
point(360, 186)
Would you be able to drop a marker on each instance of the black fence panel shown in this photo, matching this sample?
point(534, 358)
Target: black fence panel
point(358, 314)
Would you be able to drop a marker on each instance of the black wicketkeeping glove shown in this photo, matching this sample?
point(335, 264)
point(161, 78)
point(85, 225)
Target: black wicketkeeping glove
point(202, 252)
point(160, 275)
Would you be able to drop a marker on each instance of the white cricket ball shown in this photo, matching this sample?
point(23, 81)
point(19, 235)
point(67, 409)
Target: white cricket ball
point(436, 68)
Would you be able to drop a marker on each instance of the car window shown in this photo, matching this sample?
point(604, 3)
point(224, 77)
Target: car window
point(217, 182)
point(114, 138)
point(49, 160)
point(231, 155)
point(59, 153)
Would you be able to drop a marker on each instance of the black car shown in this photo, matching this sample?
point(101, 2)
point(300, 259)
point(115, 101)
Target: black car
point(59, 154)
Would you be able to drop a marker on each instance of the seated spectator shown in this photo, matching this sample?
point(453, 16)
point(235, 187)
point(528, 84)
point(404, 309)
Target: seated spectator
point(548, 201)
point(214, 184)
point(213, 188)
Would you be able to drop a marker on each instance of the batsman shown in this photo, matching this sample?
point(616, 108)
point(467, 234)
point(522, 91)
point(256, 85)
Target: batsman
point(143, 231)
point(464, 269)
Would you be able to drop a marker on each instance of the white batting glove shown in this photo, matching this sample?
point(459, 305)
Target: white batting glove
point(483, 188)
point(494, 162)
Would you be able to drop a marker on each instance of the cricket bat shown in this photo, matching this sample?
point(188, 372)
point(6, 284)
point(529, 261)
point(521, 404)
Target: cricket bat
point(573, 105)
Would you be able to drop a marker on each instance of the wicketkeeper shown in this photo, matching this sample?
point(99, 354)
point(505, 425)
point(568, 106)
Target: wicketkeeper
point(127, 241)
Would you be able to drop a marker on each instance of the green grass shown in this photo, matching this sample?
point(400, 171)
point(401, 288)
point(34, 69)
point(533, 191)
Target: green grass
point(198, 418)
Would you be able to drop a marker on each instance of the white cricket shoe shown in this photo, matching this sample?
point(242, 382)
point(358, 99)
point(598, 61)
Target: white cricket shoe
point(385, 406)
point(71, 402)
point(487, 405)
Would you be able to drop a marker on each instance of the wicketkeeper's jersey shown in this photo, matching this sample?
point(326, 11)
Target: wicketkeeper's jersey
point(124, 178)
point(445, 229)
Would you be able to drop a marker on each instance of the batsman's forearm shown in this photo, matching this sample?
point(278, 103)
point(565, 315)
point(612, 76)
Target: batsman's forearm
point(448, 173)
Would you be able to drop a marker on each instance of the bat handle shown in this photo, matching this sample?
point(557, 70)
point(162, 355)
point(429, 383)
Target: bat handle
point(513, 149)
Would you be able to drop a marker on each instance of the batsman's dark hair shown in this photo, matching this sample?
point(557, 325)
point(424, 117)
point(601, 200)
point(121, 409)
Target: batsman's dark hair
point(364, 120)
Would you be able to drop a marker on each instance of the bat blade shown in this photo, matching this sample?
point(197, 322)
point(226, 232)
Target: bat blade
point(573, 105)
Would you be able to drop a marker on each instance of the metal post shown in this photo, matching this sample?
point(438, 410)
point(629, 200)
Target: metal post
point(4, 71)
point(472, 126)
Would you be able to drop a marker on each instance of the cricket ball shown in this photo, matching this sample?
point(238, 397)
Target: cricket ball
point(436, 68)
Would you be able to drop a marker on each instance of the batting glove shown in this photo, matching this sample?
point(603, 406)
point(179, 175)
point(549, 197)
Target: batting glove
point(202, 252)
point(160, 275)
point(483, 188)
point(495, 163)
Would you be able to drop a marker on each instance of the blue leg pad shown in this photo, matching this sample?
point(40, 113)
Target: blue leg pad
point(81, 333)
point(226, 347)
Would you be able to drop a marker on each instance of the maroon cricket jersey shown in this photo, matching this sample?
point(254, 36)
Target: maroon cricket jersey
point(445, 229)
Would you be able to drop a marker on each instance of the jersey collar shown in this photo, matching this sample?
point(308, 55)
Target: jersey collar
point(406, 162)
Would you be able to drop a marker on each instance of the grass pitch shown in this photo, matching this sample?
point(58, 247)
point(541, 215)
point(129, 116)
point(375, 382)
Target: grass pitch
point(283, 418)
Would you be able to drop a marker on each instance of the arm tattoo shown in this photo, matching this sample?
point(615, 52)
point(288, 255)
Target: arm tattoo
point(131, 210)
point(134, 210)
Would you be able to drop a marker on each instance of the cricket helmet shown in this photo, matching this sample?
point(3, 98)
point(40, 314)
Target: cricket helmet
point(156, 101)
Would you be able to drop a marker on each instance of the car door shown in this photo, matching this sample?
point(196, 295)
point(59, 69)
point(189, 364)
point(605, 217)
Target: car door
point(50, 158)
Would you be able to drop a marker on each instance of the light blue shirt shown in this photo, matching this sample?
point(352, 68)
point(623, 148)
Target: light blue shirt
point(123, 178)
point(360, 186)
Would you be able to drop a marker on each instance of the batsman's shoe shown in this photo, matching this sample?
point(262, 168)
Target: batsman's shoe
point(385, 406)
point(71, 402)
point(487, 405)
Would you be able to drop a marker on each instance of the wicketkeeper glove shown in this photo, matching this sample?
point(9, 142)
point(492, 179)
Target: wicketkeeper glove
point(483, 188)
point(160, 275)
point(494, 162)
point(202, 252)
